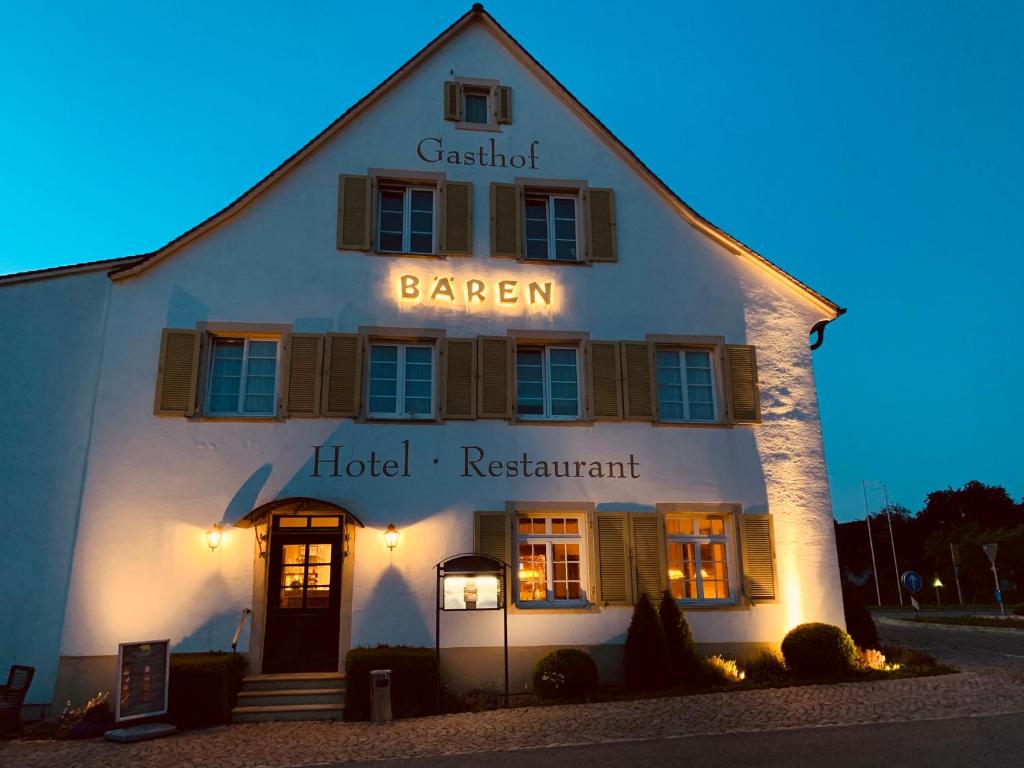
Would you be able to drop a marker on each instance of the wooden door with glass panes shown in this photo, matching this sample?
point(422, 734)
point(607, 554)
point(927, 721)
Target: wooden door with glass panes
point(304, 594)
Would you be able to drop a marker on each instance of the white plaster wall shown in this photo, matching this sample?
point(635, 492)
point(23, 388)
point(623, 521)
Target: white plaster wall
point(155, 484)
point(50, 347)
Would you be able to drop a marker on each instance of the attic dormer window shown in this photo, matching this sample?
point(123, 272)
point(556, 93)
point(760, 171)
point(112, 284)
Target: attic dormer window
point(477, 104)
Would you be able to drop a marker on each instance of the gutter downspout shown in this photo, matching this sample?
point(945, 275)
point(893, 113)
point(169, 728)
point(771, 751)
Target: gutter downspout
point(819, 329)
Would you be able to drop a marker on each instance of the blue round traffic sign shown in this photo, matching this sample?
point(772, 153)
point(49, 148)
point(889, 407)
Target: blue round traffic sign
point(912, 581)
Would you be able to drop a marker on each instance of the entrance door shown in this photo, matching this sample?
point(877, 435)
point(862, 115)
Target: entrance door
point(303, 594)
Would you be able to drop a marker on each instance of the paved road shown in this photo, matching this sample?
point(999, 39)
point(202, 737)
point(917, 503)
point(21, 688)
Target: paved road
point(997, 741)
point(975, 649)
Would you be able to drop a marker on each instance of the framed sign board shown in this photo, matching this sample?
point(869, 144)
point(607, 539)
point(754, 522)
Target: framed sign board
point(143, 671)
point(472, 592)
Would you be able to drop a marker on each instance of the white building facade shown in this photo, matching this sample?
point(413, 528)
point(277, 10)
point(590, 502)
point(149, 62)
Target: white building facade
point(465, 310)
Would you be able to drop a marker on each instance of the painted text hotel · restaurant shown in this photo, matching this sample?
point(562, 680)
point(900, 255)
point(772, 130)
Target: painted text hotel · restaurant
point(465, 310)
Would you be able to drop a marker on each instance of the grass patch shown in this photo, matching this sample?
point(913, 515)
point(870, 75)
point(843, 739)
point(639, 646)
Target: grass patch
point(970, 621)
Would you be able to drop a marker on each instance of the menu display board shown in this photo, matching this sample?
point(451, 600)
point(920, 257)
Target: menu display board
point(142, 672)
point(470, 593)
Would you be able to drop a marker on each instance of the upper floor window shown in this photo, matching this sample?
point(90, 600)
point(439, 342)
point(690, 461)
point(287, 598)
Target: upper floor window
point(547, 382)
point(401, 381)
point(551, 231)
point(476, 105)
point(405, 219)
point(550, 551)
point(698, 559)
point(686, 389)
point(243, 377)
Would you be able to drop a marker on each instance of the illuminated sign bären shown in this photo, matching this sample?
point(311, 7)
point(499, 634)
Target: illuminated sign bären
point(440, 290)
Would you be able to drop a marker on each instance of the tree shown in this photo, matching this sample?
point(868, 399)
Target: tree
point(643, 658)
point(681, 658)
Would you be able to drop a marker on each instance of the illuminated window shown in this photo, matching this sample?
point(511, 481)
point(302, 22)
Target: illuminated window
point(405, 219)
point(547, 382)
point(550, 568)
point(686, 385)
point(551, 231)
point(698, 558)
point(401, 381)
point(243, 377)
point(305, 576)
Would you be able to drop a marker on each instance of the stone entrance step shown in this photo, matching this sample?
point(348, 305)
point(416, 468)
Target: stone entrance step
point(291, 696)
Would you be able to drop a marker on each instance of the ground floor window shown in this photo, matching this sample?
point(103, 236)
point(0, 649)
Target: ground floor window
point(698, 558)
point(550, 569)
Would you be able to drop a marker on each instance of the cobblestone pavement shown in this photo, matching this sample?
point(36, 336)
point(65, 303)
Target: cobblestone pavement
point(988, 685)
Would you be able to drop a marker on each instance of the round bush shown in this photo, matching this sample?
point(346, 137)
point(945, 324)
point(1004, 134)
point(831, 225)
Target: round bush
point(818, 650)
point(565, 674)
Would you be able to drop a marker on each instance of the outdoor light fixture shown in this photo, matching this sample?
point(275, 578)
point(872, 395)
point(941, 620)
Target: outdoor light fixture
point(391, 537)
point(213, 537)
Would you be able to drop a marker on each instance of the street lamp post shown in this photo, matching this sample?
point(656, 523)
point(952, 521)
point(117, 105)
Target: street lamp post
point(892, 540)
point(871, 545)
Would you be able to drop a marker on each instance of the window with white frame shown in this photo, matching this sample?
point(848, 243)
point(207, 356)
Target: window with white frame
point(686, 385)
point(698, 558)
point(547, 382)
point(551, 227)
point(243, 377)
point(550, 568)
point(401, 381)
point(405, 219)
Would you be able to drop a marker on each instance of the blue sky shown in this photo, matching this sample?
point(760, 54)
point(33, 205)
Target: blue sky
point(873, 149)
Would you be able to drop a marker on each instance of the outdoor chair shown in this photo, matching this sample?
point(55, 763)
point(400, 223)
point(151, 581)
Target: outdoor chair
point(12, 696)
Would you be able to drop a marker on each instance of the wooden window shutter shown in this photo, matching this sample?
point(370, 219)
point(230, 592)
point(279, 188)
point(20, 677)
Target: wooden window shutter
point(342, 373)
point(453, 101)
point(744, 396)
point(355, 212)
point(176, 374)
point(613, 559)
point(758, 542)
point(504, 105)
point(605, 381)
point(601, 222)
point(457, 230)
point(505, 214)
point(305, 362)
point(492, 536)
point(494, 364)
point(459, 379)
point(648, 537)
point(637, 381)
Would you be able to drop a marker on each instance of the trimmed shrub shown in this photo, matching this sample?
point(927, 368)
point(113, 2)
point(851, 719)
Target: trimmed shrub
point(643, 658)
point(859, 622)
point(817, 650)
point(766, 667)
point(203, 688)
point(567, 673)
point(681, 658)
point(413, 680)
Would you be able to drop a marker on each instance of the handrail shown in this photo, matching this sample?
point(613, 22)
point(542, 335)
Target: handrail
point(238, 629)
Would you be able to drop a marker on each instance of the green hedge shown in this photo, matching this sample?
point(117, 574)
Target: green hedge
point(204, 687)
point(413, 680)
point(818, 650)
point(567, 673)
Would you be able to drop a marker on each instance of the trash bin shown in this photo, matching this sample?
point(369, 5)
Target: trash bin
point(380, 695)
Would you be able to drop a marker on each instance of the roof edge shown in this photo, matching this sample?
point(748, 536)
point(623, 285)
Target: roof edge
point(120, 262)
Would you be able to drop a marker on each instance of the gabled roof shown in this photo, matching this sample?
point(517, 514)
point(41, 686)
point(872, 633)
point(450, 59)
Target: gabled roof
point(133, 266)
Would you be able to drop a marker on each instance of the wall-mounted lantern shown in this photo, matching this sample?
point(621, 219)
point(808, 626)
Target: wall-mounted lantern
point(391, 537)
point(214, 536)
